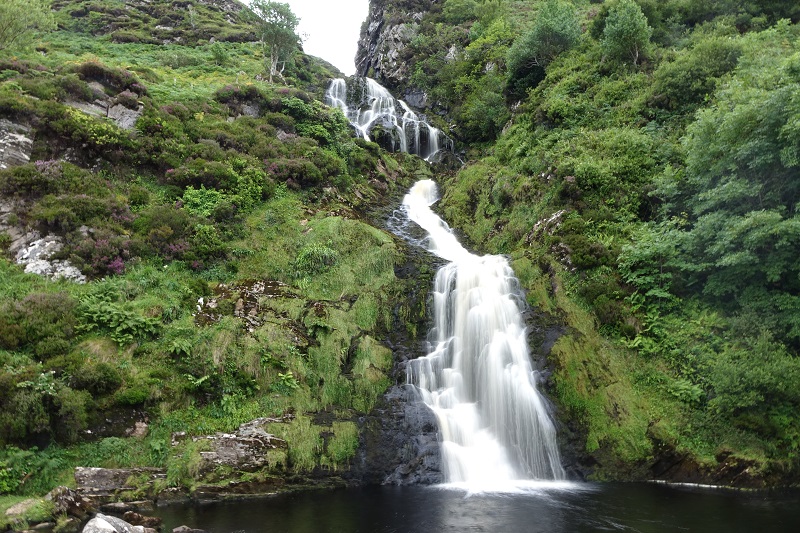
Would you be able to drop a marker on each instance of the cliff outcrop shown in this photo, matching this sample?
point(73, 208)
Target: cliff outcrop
point(385, 38)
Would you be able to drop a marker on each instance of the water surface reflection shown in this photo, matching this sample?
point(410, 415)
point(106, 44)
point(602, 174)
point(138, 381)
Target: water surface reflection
point(636, 507)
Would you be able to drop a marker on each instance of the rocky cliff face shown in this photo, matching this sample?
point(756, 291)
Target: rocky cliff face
point(385, 36)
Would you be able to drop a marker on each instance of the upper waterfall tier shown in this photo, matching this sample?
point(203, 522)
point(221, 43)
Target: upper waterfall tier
point(380, 117)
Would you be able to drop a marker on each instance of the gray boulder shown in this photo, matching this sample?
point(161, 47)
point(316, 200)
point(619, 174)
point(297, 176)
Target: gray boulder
point(102, 523)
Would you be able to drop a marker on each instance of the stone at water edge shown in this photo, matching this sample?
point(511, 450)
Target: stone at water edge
point(139, 519)
point(69, 502)
point(109, 524)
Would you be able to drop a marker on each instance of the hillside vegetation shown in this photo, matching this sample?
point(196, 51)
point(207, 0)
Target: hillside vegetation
point(232, 271)
point(638, 160)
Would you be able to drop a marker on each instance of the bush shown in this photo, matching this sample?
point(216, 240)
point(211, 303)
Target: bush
point(626, 34)
point(67, 212)
point(38, 179)
point(42, 323)
point(116, 78)
point(298, 171)
point(555, 30)
point(101, 253)
point(693, 75)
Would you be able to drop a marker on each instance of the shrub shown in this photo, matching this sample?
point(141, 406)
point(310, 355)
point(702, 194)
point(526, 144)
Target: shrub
point(38, 179)
point(693, 75)
point(132, 396)
point(116, 78)
point(68, 211)
point(101, 253)
point(202, 173)
point(300, 171)
point(201, 202)
point(555, 30)
point(626, 34)
point(43, 323)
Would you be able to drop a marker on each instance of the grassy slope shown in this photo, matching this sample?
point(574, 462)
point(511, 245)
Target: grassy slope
point(258, 209)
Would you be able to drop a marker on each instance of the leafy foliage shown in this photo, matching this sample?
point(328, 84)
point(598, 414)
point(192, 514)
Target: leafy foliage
point(276, 25)
point(555, 30)
point(20, 20)
point(626, 35)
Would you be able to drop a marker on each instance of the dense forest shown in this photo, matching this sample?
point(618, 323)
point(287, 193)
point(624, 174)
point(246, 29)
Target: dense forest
point(636, 159)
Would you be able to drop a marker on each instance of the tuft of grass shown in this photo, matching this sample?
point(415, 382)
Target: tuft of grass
point(303, 439)
point(341, 447)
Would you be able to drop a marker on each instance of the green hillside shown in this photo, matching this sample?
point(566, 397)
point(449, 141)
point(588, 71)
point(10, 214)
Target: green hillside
point(638, 160)
point(232, 269)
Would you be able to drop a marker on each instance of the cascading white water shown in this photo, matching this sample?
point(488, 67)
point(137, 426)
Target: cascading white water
point(477, 377)
point(375, 105)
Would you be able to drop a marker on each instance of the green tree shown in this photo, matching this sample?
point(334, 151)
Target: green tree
point(458, 11)
point(276, 30)
point(626, 34)
point(740, 190)
point(21, 20)
point(555, 30)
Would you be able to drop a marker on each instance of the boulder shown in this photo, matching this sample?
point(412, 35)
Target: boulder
point(246, 450)
point(18, 509)
point(104, 484)
point(139, 519)
point(70, 503)
point(109, 524)
point(187, 529)
point(36, 258)
point(16, 144)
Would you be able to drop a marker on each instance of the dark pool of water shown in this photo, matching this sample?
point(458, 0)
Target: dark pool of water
point(637, 507)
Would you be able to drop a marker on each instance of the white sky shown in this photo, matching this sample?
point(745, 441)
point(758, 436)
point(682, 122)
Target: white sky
point(331, 29)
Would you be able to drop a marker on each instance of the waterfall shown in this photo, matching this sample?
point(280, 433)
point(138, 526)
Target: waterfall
point(477, 377)
point(367, 105)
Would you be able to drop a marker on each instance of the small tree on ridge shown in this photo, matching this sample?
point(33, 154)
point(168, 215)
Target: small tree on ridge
point(276, 30)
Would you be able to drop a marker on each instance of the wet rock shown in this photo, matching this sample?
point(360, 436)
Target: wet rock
point(137, 519)
point(16, 144)
point(69, 502)
point(120, 508)
point(400, 443)
point(187, 529)
point(139, 430)
point(383, 40)
point(110, 524)
point(416, 98)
